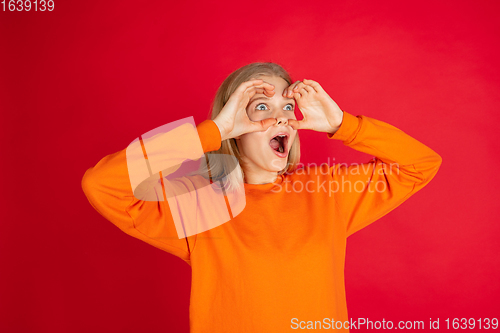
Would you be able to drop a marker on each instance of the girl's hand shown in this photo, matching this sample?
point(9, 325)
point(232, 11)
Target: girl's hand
point(233, 120)
point(320, 112)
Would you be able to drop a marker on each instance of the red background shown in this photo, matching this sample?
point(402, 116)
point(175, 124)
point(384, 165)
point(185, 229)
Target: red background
point(85, 80)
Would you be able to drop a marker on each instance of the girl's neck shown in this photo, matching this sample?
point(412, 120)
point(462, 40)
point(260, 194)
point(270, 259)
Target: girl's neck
point(262, 177)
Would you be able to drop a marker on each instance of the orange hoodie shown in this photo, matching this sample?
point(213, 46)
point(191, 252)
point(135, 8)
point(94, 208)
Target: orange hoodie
point(278, 266)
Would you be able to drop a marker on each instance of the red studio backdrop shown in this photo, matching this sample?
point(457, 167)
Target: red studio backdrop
point(84, 80)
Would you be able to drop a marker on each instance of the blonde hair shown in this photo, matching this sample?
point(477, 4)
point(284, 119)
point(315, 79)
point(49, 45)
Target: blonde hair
point(228, 167)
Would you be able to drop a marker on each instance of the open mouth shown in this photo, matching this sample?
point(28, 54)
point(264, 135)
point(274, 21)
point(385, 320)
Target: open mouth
point(279, 142)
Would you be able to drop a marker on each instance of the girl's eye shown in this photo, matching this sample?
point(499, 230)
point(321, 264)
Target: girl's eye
point(257, 107)
point(288, 105)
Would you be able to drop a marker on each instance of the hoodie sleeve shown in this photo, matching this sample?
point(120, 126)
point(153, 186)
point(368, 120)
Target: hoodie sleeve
point(109, 184)
point(401, 166)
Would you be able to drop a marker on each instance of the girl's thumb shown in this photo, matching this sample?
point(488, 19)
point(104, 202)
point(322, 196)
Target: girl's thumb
point(266, 123)
point(294, 123)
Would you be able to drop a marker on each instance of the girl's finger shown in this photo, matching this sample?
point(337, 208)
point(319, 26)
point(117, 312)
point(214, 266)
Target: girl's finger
point(314, 84)
point(262, 125)
point(299, 86)
point(296, 124)
point(263, 85)
point(309, 89)
point(289, 90)
point(253, 82)
point(269, 86)
point(268, 91)
point(297, 94)
point(298, 91)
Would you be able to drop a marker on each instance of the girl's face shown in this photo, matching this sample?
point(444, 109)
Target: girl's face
point(260, 152)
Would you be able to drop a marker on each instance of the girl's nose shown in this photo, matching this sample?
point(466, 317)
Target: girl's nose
point(281, 121)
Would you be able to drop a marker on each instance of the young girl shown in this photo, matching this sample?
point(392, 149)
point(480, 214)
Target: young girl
point(276, 264)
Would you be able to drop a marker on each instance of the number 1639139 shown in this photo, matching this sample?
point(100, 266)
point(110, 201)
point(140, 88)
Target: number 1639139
point(27, 5)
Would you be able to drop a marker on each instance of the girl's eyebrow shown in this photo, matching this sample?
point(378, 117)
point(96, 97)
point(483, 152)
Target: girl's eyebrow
point(265, 98)
point(255, 99)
